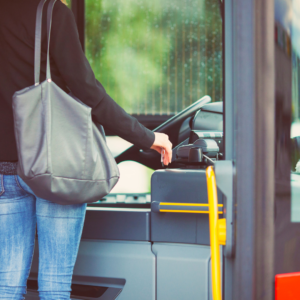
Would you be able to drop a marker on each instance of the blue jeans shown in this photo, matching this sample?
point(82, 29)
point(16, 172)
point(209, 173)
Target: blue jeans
point(59, 232)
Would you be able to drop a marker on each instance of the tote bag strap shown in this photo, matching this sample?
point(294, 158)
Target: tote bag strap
point(38, 42)
point(49, 25)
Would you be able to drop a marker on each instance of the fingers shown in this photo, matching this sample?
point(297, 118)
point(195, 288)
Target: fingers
point(167, 159)
point(168, 152)
point(162, 142)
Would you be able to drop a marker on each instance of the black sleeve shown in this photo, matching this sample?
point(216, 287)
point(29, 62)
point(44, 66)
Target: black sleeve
point(66, 50)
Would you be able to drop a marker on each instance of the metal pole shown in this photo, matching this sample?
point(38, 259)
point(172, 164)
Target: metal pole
point(254, 98)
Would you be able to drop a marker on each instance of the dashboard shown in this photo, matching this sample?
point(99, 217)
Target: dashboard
point(205, 123)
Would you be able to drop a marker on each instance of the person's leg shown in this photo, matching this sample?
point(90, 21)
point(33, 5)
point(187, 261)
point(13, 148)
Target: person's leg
point(59, 234)
point(17, 235)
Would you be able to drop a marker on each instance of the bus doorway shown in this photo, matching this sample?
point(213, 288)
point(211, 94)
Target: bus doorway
point(209, 74)
point(161, 61)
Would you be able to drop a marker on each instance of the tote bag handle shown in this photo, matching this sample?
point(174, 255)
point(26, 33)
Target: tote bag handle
point(49, 25)
point(38, 40)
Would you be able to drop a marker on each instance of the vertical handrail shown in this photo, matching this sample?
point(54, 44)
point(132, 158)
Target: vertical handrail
point(217, 230)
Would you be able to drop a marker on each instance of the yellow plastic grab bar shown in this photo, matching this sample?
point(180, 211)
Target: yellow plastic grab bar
point(217, 228)
point(193, 208)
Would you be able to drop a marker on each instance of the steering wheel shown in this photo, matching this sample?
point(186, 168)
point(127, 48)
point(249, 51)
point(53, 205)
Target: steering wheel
point(171, 127)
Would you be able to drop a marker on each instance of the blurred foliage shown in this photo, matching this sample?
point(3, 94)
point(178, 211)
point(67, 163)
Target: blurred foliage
point(156, 57)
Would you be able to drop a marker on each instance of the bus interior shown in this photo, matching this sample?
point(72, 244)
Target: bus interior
point(222, 79)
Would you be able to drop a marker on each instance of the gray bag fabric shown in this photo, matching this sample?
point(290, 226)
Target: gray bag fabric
point(63, 157)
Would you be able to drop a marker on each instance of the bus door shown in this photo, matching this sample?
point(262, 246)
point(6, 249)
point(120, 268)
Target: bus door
point(150, 240)
point(262, 102)
point(157, 247)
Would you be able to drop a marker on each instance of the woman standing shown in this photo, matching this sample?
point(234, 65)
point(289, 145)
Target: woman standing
point(59, 227)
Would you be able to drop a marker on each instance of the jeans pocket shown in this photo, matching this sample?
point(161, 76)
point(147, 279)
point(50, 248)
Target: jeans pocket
point(22, 185)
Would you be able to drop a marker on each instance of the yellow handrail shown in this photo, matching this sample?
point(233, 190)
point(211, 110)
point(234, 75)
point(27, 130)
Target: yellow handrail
point(217, 228)
point(163, 207)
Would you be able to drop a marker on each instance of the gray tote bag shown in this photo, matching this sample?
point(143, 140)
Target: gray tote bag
point(63, 156)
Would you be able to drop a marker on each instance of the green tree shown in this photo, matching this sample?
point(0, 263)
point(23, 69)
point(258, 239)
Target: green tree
point(155, 57)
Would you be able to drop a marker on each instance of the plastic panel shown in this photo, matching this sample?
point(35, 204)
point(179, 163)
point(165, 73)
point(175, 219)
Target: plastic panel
point(132, 261)
point(287, 286)
point(182, 271)
point(214, 107)
point(117, 225)
point(125, 265)
point(181, 186)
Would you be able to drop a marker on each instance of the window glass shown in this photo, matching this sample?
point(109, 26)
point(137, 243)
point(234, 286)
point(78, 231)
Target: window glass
point(295, 129)
point(134, 178)
point(155, 57)
point(287, 33)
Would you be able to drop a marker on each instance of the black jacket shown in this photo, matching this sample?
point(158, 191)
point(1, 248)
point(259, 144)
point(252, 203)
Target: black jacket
point(69, 66)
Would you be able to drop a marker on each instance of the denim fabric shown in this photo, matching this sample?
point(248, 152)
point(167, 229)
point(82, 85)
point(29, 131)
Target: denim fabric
point(59, 231)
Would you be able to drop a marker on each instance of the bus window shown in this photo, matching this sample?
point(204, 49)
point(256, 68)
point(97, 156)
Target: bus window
point(154, 58)
point(295, 128)
point(134, 177)
point(287, 137)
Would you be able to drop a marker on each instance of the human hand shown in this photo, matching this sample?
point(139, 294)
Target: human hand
point(162, 142)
